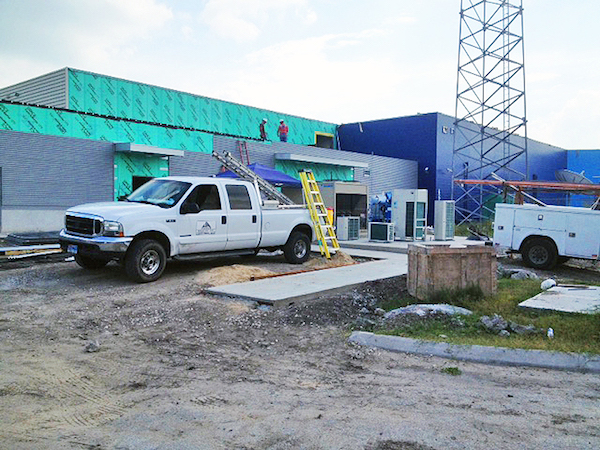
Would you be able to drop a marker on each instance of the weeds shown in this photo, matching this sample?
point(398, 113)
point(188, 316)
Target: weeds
point(454, 371)
point(572, 332)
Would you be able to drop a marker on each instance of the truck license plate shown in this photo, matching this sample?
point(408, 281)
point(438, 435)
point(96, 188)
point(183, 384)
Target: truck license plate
point(72, 249)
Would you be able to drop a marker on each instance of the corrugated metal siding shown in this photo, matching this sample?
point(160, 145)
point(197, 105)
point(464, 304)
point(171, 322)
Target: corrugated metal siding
point(47, 90)
point(193, 164)
point(40, 171)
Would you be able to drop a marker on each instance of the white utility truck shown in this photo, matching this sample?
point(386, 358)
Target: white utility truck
point(547, 235)
point(184, 218)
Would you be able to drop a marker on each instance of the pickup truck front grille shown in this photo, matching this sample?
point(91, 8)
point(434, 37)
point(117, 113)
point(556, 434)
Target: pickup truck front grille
point(85, 226)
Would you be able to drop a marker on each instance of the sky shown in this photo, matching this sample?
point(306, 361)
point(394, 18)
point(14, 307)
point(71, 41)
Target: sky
point(339, 61)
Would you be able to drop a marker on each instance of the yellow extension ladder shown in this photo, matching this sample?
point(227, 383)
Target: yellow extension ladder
point(318, 213)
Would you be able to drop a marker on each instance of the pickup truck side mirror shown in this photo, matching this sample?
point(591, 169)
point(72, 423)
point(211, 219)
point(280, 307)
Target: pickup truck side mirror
point(189, 208)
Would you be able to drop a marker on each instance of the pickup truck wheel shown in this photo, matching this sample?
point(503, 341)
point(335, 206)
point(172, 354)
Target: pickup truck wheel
point(297, 249)
point(540, 254)
point(90, 263)
point(145, 261)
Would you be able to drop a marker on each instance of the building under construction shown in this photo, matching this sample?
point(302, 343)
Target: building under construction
point(71, 136)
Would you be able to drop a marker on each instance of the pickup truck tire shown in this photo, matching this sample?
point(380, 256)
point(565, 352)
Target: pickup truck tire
point(297, 248)
point(540, 253)
point(145, 261)
point(90, 263)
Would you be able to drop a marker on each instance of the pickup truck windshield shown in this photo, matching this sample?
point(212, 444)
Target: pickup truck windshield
point(163, 193)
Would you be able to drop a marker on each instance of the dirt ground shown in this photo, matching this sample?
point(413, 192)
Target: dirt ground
point(90, 360)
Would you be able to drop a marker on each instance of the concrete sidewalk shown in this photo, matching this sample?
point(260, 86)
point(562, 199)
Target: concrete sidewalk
point(481, 354)
point(289, 289)
point(391, 261)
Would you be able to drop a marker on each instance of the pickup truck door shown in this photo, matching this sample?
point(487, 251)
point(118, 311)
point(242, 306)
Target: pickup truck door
point(202, 221)
point(243, 217)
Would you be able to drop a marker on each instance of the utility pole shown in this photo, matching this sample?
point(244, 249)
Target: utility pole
point(490, 128)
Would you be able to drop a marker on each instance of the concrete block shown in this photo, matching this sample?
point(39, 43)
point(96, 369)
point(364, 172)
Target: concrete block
point(433, 268)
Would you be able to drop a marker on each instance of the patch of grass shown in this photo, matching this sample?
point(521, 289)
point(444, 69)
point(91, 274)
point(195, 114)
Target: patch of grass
point(454, 371)
point(457, 297)
point(572, 332)
point(486, 228)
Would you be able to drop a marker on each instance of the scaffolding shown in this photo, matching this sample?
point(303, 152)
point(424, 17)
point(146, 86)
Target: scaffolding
point(490, 128)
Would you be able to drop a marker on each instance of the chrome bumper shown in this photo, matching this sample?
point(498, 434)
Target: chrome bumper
point(102, 243)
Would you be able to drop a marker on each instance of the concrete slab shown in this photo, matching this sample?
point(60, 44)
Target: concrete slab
point(567, 298)
point(402, 246)
point(391, 261)
point(289, 289)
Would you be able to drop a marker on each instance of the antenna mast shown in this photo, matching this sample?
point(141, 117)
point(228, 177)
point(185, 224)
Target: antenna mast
point(490, 127)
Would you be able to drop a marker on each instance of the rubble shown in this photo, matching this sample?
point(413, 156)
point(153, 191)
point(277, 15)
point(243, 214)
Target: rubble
point(497, 324)
point(423, 310)
point(515, 273)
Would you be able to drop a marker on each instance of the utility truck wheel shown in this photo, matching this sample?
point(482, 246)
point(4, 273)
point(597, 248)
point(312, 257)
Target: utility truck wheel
point(540, 254)
point(297, 249)
point(145, 261)
point(90, 263)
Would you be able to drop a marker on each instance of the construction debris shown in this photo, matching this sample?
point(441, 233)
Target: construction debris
point(338, 260)
point(237, 273)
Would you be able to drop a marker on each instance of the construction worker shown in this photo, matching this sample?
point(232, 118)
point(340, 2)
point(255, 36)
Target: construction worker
point(282, 131)
point(263, 132)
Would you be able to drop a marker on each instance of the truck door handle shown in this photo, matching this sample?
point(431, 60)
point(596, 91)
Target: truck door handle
point(253, 219)
point(223, 220)
point(572, 235)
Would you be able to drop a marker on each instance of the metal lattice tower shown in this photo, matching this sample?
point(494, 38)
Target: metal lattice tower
point(490, 102)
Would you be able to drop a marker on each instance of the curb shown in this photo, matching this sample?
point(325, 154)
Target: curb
point(481, 354)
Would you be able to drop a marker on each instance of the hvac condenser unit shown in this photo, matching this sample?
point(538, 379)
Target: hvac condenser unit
point(381, 232)
point(348, 228)
point(444, 220)
point(409, 213)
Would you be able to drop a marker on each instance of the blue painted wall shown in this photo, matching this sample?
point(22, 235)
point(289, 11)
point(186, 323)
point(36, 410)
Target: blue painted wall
point(429, 140)
point(588, 162)
point(412, 138)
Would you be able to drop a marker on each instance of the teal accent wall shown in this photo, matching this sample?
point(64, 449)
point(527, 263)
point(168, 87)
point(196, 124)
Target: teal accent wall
point(321, 172)
point(30, 119)
point(100, 94)
point(128, 165)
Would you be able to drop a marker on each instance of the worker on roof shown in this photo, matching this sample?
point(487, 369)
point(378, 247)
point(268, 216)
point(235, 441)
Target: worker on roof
point(282, 131)
point(263, 132)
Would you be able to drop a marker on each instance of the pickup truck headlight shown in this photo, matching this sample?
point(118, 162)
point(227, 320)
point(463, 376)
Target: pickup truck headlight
point(113, 229)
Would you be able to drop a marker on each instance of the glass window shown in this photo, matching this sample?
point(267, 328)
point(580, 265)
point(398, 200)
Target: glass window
point(163, 193)
point(206, 196)
point(238, 197)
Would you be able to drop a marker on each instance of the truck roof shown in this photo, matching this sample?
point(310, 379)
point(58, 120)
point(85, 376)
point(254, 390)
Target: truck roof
point(572, 209)
point(197, 180)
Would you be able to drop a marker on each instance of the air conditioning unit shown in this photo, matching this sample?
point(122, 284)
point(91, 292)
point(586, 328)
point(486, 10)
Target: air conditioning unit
point(409, 213)
point(381, 232)
point(348, 228)
point(444, 220)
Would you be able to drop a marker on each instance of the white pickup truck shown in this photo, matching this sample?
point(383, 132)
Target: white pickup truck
point(547, 235)
point(183, 218)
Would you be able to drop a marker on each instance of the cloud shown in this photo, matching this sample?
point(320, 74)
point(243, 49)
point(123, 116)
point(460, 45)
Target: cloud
point(88, 32)
point(307, 78)
point(400, 20)
point(242, 20)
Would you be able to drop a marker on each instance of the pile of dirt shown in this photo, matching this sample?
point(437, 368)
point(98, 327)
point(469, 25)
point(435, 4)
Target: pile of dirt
point(338, 260)
point(235, 273)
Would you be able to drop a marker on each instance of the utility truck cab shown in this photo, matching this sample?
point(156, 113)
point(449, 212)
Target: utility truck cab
point(547, 235)
point(183, 218)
